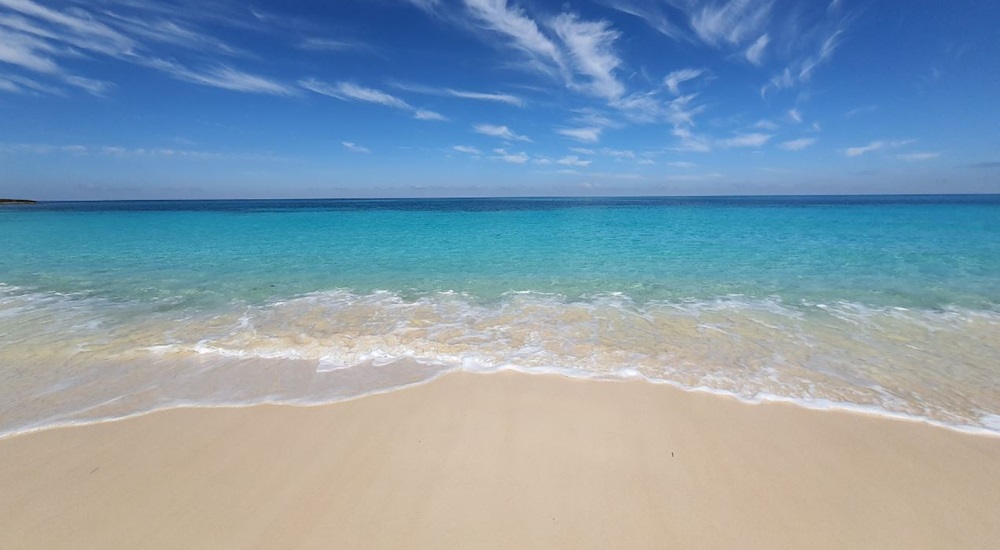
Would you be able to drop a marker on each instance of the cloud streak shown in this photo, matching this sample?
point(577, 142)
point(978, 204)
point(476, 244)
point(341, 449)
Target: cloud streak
point(591, 134)
point(591, 49)
point(501, 132)
point(349, 91)
point(354, 147)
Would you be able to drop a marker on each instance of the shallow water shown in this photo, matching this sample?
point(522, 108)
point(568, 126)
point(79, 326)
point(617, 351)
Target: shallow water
point(888, 304)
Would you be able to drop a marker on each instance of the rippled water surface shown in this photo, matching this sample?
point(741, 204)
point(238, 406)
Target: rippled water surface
point(887, 304)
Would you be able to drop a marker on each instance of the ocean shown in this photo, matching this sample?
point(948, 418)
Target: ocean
point(881, 304)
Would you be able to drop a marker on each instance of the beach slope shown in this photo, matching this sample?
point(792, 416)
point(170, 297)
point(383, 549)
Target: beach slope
point(503, 461)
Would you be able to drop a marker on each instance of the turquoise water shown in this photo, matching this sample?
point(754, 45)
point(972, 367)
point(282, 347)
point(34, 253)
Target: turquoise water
point(884, 304)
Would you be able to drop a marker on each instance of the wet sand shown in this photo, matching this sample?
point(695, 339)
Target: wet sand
point(503, 461)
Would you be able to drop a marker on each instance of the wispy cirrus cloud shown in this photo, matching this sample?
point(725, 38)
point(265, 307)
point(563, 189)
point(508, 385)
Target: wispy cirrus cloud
point(797, 144)
point(495, 97)
point(497, 131)
point(468, 150)
point(424, 114)
point(591, 134)
point(864, 109)
point(520, 29)
point(332, 45)
point(349, 91)
point(512, 158)
point(799, 36)
point(732, 22)
point(37, 37)
point(125, 153)
point(802, 69)
point(354, 147)
point(755, 53)
point(573, 160)
point(876, 146)
point(919, 156)
point(591, 49)
point(224, 77)
point(674, 80)
point(566, 46)
point(864, 149)
point(745, 140)
point(484, 96)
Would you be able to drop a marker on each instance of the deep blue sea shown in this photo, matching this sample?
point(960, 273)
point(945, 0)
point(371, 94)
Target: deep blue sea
point(885, 304)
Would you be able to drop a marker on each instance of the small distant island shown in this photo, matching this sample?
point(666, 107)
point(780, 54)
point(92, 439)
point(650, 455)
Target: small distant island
point(17, 201)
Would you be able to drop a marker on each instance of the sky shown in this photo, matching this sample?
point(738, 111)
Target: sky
point(199, 99)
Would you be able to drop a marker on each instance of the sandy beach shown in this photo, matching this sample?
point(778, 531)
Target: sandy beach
point(503, 461)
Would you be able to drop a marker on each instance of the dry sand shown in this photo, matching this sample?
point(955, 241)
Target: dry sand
point(503, 461)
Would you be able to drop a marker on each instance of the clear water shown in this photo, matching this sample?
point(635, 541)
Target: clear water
point(886, 304)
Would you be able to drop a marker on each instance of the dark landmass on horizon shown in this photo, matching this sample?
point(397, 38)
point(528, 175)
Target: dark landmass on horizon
point(17, 201)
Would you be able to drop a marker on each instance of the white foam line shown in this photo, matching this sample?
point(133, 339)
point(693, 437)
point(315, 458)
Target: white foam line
point(181, 404)
point(474, 367)
point(811, 404)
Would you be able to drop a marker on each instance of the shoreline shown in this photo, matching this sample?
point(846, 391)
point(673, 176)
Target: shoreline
point(503, 460)
point(819, 406)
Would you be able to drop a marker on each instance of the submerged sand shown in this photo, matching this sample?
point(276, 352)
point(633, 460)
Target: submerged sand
point(503, 461)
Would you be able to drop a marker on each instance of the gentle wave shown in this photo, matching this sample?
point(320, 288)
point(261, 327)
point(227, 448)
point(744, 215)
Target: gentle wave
point(68, 359)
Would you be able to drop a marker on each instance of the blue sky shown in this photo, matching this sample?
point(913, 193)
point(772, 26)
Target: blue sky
point(133, 99)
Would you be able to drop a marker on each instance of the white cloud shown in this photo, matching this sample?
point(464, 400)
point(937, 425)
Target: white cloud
point(682, 164)
point(467, 150)
point(81, 29)
point(33, 35)
point(591, 117)
point(755, 53)
point(590, 134)
point(858, 151)
point(590, 45)
point(332, 45)
point(354, 147)
point(764, 124)
point(423, 114)
point(573, 160)
point(731, 22)
point(746, 140)
point(582, 151)
point(26, 52)
point(516, 25)
point(501, 132)
point(651, 13)
point(644, 107)
point(864, 109)
point(682, 113)
point(618, 153)
point(96, 87)
point(126, 153)
point(481, 96)
point(348, 91)
point(222, 76)
point(673, 80)
point(802, 70)
point(825, 53)
point(689, 141)
point(919, 156)
point(795, 115)
point(463, 94)
point(797, 144)
point(513, 158)
point(428, 5)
